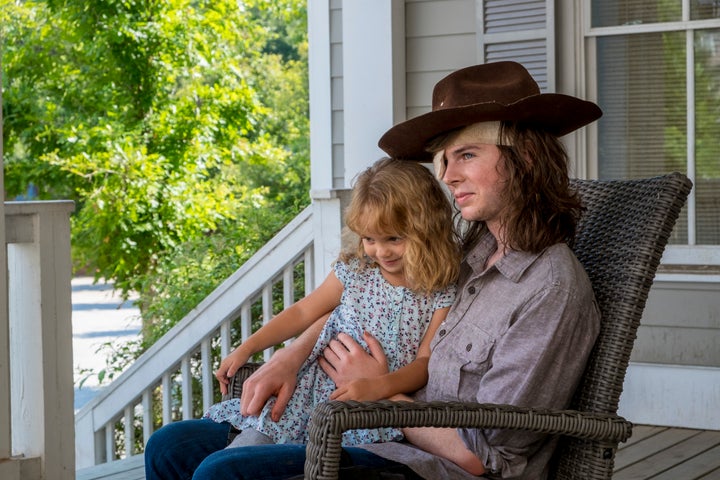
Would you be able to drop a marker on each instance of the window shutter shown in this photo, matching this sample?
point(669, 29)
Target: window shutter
point(522, 31)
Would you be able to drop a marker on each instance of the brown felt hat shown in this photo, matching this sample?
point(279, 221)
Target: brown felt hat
point(488, 92)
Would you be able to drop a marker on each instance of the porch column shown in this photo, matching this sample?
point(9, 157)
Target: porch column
point(373, 60)
point(37, 235)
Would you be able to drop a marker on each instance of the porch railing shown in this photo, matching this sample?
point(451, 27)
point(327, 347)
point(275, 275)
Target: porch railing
point(160, 384)
point(36, 376)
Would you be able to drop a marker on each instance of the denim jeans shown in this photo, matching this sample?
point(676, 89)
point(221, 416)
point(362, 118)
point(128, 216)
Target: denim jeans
point(195, 449)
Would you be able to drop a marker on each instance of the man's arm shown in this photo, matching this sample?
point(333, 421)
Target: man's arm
point(445, 443)
point(278, 376)
point(345, 360)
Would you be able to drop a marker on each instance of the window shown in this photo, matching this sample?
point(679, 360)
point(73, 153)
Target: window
point(655, 68)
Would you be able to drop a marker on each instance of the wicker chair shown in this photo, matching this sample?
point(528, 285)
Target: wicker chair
point(620, 240)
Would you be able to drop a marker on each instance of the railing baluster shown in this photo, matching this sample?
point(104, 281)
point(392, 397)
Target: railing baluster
point(167, 398)
point(245, 320)
point(147, 414)
point(225, 339)
point(309, 270)
point(207, 373)
point(110, 441)
point(267, 313)
point(129, 430)
point(288, 286)
point(186, 380)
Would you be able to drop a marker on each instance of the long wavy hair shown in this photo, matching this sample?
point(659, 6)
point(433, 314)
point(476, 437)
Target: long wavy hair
point(541, 208)
point(402, 198)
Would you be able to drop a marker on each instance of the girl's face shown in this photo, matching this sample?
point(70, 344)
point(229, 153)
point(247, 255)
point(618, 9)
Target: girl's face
point(475, 177)
point(387, 252)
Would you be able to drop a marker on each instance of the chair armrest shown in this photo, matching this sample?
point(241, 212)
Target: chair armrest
point(329, 420)
point(236, 382)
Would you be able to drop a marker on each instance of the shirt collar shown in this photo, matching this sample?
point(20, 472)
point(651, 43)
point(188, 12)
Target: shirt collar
point(512, 265)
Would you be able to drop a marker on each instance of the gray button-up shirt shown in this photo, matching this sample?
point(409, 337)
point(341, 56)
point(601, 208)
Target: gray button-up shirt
point(519, 333)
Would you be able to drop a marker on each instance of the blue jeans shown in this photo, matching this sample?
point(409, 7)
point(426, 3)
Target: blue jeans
point(195, 449)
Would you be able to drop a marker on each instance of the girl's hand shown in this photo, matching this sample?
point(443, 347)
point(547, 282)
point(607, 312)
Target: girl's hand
point(228, 367)
point(345, 360)
point(361, 390)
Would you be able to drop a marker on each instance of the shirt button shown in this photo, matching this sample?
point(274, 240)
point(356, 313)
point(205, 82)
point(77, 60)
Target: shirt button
point(442, 332)
point(471, 290)
point(468, 347)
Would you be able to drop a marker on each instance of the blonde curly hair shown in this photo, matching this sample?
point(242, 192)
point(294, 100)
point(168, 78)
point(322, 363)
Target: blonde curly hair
point(402, 198)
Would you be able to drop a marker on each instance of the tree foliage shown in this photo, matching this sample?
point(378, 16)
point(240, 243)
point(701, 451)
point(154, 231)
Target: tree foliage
point(179, 128)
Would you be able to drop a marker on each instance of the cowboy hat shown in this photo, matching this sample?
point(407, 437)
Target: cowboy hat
point(502, 91)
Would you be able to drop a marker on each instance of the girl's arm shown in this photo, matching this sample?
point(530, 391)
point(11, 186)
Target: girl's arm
point(407, 379)
point(286, 324)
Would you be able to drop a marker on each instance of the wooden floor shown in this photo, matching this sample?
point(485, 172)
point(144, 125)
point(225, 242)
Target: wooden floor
point(662, 453)
point(657, 453)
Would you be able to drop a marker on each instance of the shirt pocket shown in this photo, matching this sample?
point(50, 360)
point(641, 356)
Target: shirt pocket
point(475, 350)
point(458, 362)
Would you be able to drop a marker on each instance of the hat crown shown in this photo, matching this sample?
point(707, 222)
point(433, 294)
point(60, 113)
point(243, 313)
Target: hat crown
point(502, 91)
point(502, 83)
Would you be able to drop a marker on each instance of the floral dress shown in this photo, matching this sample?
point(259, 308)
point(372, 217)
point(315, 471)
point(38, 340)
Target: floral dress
point(396, 316)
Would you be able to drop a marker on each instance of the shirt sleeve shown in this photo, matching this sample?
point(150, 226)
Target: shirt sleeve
point(536, 362)
point(342, 272)
point(445, 298)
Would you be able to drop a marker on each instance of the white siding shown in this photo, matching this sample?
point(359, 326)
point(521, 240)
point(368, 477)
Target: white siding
point(440, 38)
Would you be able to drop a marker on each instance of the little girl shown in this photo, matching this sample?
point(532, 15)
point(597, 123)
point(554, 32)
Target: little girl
point(398, 285)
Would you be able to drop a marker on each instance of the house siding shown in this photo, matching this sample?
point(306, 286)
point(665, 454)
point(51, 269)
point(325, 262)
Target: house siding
point(439, 38)
point(680, 325)
point(336, 84)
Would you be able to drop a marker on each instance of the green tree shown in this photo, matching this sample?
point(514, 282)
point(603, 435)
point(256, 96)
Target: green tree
point(179, 128)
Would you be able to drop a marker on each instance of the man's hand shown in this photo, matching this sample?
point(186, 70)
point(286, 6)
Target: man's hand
point(276, 377)
point(345, 360)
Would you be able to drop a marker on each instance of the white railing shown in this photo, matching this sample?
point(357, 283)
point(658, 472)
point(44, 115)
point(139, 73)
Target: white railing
point(37, 359)
point(162, 381)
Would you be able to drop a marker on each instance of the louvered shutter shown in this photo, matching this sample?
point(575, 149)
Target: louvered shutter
point(519, 30)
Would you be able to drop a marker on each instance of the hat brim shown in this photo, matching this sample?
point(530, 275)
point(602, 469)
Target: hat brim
point(555, 113)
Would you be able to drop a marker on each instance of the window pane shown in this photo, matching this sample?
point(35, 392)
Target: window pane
point(707, 133)
point(642, 91)
point(607, 13)
point(704, 9)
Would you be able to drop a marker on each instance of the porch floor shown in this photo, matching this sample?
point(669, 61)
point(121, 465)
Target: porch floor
point(652, 453)
point(663, 453)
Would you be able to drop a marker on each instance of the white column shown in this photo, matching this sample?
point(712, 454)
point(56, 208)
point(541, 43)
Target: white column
point(373, 72)
point(40, 327)
point(320, 89)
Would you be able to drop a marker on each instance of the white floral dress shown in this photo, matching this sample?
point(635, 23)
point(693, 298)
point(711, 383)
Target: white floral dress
point(396, 316)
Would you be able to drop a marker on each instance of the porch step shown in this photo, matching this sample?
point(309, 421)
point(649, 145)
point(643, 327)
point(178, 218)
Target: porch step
point(132, 468)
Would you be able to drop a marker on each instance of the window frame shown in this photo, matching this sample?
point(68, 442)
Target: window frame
point(683, 259)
